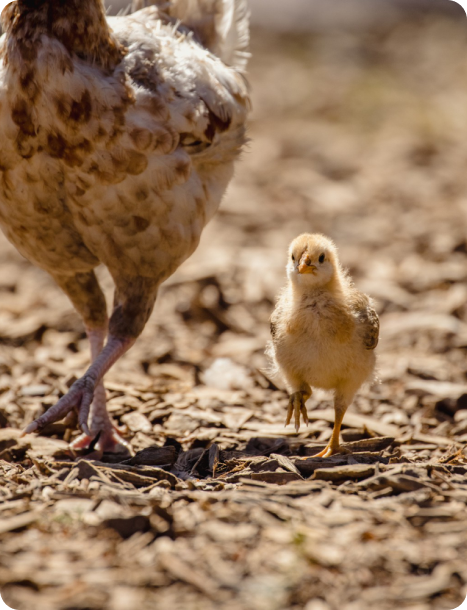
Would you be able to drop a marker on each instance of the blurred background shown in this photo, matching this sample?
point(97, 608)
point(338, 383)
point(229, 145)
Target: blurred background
point(314, 15)
point(358, 130)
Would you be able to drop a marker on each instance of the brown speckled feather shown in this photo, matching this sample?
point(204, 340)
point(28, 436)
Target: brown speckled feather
point(117, 142)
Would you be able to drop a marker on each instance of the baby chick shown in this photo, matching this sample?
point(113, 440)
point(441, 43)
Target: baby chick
point(324, 331)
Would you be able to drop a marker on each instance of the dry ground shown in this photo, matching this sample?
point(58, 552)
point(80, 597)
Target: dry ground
point(362, 137)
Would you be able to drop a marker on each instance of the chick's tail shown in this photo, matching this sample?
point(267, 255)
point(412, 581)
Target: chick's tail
point(272, 369)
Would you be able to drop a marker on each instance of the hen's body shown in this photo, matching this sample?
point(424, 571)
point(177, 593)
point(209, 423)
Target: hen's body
point(117, 146)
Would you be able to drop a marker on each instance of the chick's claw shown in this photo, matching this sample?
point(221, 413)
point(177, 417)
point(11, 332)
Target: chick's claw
point(296, 407)
point(330, 449)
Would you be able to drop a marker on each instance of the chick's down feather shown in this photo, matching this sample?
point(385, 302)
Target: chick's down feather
point(324, 331)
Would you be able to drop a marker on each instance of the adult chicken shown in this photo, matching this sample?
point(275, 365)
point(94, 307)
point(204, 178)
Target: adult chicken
point(118, 139)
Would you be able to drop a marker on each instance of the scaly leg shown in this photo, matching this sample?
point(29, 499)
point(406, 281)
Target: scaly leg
point(99, 419)
point(134, 301)
point(340, 407)
point(81, 394)
point(297, 407)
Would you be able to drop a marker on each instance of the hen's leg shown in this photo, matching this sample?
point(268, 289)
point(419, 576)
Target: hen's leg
point(134, 300)
point(99, 419)
point(88, 299)
point(297, 407)
point(81, 393)
point(96, 337)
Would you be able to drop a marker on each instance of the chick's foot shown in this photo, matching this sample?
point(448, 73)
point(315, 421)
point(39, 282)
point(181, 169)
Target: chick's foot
point(340, 407)
point(330, 449)
point(296, 408)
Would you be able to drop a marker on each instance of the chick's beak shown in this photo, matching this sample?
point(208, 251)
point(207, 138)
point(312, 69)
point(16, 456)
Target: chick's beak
point(305, 265)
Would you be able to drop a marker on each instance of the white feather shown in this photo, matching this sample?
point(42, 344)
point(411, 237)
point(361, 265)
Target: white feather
point(222, 26)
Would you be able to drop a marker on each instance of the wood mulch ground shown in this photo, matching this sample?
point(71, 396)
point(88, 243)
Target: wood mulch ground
point(362, 137)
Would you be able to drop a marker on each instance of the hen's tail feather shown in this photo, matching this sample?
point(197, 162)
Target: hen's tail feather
point(222, 26)
point(122, 12)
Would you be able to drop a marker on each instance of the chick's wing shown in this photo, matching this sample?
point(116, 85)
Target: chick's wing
point(367, 320)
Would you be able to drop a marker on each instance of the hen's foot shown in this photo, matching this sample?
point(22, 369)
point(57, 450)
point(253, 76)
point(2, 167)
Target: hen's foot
point(105, 437)
point(86, 402)
point(86, 391)
point(296, 408)
point(79, 397)
point(108, 441)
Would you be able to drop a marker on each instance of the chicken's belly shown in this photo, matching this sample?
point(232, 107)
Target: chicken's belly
point(54, 248)
point(140, 227)
point(35, 217)
point(324, 373)
point(134, 226)
point(322, 364)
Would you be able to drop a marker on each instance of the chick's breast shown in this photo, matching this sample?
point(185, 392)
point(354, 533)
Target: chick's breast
point(319, 341)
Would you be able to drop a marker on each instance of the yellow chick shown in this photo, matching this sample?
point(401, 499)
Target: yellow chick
point(324, 331)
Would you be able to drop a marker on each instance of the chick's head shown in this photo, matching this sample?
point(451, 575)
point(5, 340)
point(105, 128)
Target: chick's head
point(312, 260)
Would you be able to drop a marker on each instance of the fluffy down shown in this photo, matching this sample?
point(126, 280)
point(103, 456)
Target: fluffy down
point(324, 331)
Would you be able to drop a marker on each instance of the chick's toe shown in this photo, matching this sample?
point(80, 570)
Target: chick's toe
point(297, 407)
point(328, 451)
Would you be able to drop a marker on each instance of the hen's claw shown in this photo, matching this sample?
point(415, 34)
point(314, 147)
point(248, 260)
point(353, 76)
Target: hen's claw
point(109, 441)
point(79, 397)
point(297, 407)
point(86, 391)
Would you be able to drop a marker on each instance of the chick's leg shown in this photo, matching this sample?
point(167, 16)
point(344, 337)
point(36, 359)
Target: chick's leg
point(341, 402)
point(297, 407)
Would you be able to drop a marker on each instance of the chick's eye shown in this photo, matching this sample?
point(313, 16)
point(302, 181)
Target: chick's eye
point(293, 257)
point(321, 258)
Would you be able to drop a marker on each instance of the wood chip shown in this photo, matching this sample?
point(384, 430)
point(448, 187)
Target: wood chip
point(343, 473)
point(354, 420)
point(18, 522)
